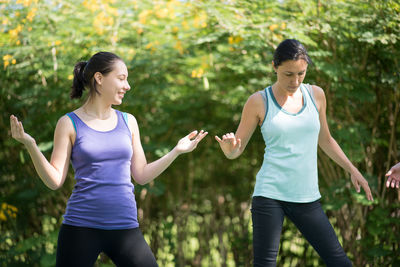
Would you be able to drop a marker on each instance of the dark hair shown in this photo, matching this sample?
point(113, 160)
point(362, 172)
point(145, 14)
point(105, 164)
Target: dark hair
point(84, 72)
point(290, 49)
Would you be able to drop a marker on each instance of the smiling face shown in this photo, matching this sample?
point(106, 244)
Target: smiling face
point(113, 85)
point(290, 74)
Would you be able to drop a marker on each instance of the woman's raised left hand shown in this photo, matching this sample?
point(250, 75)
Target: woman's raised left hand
point(190, 141)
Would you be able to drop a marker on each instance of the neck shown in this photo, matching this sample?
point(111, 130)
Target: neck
point(96, 109)
point(284, 92)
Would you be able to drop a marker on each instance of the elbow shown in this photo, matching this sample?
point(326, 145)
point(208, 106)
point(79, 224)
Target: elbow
point(326, 144)
point(322, 145)
point(139, 180)
point(55, 187)
point(232, 157)
point(324, 140)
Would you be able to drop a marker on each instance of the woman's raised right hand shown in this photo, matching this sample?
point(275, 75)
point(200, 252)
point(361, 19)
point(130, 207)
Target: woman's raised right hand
point(18, 133)
point(229, 144)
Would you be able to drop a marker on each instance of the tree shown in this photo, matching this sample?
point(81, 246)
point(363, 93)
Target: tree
point(192, 65)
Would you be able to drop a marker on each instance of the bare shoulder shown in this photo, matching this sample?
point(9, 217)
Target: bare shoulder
point(319, 96)
point(318, 92)
point(65, 129)
point(132, 123)
point(65, 123)
point(255, 107)
point(256, 99)
point(131, 119)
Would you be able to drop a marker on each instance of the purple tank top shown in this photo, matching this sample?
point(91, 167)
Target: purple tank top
point(103, 196)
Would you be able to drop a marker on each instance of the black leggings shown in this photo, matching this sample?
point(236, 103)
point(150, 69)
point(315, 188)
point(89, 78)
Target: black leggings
point(309, 218)
point(80, 246)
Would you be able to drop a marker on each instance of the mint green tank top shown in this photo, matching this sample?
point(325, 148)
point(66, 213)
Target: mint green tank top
point(289, 170)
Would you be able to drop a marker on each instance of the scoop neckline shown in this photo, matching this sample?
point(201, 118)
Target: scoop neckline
point(284, 110)
point(116, 113)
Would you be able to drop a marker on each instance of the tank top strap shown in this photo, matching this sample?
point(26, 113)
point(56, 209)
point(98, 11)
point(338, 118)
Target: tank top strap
point(74, 120)
point(270, 100)
point(124, 117)
point(310, 94)
point(264, 95)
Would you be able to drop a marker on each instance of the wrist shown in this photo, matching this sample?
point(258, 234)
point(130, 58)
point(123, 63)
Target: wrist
point(175, 152)
point(353, 170)
point(29, 143)
point(231, 155)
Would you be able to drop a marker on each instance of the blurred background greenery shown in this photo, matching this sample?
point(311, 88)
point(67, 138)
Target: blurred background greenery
point(192, 65)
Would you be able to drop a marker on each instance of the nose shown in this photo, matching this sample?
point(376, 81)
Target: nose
point(127, 86)
point(296, 80)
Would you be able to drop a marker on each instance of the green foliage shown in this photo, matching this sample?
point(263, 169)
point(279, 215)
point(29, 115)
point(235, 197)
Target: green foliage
point(192, 65)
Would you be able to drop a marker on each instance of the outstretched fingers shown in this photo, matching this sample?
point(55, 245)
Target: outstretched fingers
point(229, 138)
point(356, 185)
point(392, 183)
point(190, 141)
point(200, 136)
point(16, 127)
point(359, 182)
point(392, 180)
point(367, 190)
point(192, 135)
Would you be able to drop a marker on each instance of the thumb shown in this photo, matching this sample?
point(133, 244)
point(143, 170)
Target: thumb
point(388, 173)
point(218, 139)
point(239, 143)
point(357, 186)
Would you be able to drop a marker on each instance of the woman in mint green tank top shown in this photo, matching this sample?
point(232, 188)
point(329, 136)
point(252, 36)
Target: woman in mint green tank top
point(292, 119)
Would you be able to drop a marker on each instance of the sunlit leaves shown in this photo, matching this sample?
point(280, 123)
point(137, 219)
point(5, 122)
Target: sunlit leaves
point(192, 65)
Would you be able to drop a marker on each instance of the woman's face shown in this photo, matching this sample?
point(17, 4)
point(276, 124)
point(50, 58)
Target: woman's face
point(114, 84)
point(290, 74)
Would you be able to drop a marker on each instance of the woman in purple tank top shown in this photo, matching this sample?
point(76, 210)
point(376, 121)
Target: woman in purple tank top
point(104, 147)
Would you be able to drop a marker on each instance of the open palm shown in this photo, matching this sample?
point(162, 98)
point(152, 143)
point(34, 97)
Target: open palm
point(229, 144)
point(17, 131)
point(189, 142)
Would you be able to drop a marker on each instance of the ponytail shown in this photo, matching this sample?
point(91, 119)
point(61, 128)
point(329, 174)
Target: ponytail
point(78, 84)
point(84, 71)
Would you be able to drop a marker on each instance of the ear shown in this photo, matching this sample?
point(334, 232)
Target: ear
point(273, 66)
point(98, 77)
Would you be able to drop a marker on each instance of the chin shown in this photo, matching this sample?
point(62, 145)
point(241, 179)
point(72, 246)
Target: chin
point(293, 89)
point(117, 102)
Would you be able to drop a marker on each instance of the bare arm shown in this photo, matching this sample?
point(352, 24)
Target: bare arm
point(52, 173)
point(143, 172)
point(233, 145)
point(329, 145)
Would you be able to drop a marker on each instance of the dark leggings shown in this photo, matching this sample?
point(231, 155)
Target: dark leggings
point(80, 246)
point(309, 218)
